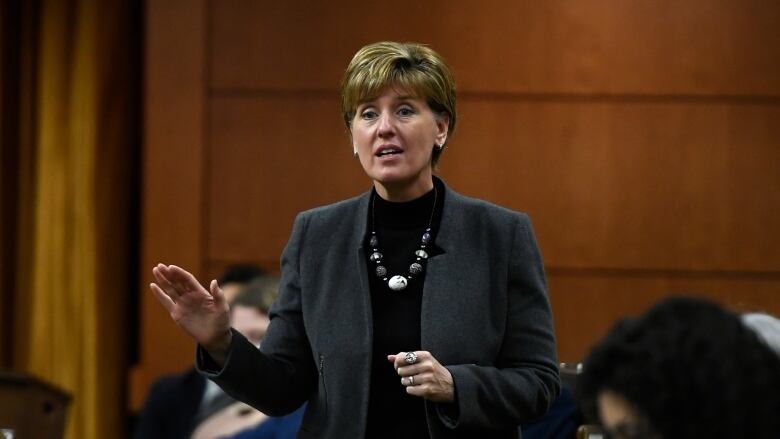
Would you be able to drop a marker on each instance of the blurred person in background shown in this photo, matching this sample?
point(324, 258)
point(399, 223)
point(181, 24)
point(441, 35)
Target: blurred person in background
point(687, 368)
point(238, 276)
point(176, 403)
point(249, 316)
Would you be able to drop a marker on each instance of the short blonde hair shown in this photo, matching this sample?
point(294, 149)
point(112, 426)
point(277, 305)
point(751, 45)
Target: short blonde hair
point(409, 66)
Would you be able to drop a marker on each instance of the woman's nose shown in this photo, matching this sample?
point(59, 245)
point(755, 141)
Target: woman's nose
point(385, 126)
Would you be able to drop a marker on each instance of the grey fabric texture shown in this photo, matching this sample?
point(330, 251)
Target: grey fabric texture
point(485, 315)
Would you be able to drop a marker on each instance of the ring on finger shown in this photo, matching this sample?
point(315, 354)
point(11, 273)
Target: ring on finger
point(411, 380)
point(410, 357)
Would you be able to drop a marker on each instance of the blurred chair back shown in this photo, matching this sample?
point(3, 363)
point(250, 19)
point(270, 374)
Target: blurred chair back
point(570, 374)
point(30, 408)
point(590, 429)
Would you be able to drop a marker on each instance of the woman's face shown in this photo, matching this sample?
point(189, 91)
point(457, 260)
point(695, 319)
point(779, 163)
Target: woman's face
point(394, 135)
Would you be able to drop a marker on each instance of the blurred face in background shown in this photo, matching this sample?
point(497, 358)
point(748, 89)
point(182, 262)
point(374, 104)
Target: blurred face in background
point(250, 322)
point(231, 290)
point(621, 420)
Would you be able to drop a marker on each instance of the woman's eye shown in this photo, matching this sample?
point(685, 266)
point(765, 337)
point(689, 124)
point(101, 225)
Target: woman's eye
point(368, 115)
point(405, 111)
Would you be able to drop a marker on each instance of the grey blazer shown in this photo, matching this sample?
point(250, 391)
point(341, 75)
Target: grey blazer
point(485, 316)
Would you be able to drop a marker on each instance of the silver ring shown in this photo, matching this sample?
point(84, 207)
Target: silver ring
point(410, 358)
point(411, 380)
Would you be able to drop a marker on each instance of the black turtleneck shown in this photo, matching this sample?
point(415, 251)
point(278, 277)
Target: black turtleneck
point(392, 413)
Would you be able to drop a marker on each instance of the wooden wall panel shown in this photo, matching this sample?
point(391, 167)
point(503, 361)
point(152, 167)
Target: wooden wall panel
point(587, 304)
point(663, 185)
point(608, 184)
point(641, 136)
point(172, 201)
point(697, 47)
point(272, 157)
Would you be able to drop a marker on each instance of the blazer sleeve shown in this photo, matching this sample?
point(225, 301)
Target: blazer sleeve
point(281, 375)
point(524, 381)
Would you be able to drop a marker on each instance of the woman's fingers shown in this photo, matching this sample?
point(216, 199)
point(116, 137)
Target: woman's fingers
point(413, 374)
point(416, 369)
point(179, 278)
point(201, 314)
point(163, 283)
point(216, 292)
point(183, 278)
point(177, 282)
point(416, 379)
point(424, 376)
point(403, 359)
point(162, 297)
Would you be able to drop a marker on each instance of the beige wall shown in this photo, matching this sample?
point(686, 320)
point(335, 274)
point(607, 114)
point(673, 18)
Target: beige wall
point(642, 137)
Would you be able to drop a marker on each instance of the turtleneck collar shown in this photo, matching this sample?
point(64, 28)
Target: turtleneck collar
point(407, 214)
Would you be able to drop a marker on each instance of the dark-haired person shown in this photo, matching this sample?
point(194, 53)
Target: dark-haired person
point(249, 316)
point(687, 368)
point(408, 311)
point(236, 277)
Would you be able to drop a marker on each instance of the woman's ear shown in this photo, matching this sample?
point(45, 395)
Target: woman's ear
point(442, 128)
point(352, 140)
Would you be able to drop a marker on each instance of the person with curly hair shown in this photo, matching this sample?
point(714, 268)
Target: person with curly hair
point(687, 368)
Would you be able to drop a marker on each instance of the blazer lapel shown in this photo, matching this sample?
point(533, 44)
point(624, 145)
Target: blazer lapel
point(364, 297)
point(363, 321)
point(440, 282)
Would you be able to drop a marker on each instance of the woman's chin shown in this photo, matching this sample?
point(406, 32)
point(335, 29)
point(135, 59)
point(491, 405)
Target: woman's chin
point(399, 175)
point(396, 180)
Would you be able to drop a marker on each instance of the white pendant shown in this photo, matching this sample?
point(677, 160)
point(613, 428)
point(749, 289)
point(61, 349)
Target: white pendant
point(397, 283)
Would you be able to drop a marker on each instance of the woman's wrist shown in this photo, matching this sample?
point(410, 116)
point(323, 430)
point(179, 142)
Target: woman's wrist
point(219, 346)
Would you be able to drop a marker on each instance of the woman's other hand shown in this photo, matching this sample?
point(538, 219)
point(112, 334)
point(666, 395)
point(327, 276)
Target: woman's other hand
point(426, 377)
point(204, 315)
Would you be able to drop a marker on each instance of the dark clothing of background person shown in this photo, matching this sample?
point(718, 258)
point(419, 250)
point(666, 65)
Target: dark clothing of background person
point(171, 407)
point(283, 427)
point(560, 422)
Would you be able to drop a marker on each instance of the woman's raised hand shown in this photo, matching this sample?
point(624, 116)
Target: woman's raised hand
point(204, 315)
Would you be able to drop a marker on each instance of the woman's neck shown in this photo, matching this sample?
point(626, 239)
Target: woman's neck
point(402, 192)
point(414, 213)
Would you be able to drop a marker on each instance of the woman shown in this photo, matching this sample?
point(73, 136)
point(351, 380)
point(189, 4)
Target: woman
point(407, 310)
point(687, 368)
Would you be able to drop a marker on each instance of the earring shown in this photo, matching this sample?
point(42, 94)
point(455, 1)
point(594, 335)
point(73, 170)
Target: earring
point(438, 147)
point(354, 153)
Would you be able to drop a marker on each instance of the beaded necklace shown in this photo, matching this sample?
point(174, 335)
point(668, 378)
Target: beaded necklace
point(398, 282)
